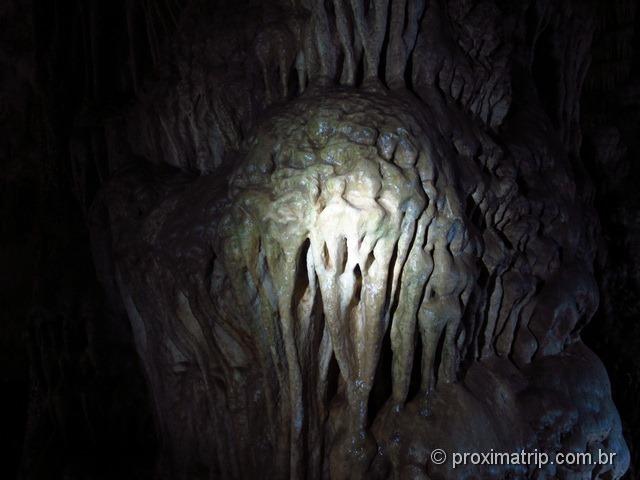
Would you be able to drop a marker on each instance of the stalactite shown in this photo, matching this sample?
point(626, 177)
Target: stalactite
point(345, 35)
point(371, 28)
point(403, 32)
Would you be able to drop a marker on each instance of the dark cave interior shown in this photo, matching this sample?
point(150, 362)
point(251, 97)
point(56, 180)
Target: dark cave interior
point(177, 86)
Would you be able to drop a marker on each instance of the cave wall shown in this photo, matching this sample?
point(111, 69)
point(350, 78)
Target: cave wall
point(74, 399)
point(610, 122)
point(94, 87)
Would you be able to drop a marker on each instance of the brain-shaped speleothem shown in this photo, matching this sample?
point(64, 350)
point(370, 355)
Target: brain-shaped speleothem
point(337, 200)
point(364, 253)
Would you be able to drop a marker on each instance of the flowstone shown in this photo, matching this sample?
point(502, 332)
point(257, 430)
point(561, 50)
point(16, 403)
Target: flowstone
point(367, 286)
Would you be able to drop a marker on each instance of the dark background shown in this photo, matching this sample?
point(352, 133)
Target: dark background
point(74, 403)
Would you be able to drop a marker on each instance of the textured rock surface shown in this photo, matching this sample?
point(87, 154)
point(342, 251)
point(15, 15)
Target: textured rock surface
point(349, 233)
point(352, 225)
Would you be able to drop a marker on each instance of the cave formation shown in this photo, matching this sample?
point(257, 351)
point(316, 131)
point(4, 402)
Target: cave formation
point(316, 239)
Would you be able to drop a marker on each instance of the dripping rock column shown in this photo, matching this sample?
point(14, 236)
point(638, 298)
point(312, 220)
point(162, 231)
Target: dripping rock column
point(357, 293)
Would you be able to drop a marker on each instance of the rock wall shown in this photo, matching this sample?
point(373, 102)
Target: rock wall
point(337, 235)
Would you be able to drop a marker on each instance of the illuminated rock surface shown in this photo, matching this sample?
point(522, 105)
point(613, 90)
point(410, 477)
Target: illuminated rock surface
point(362, 293)
point(330, 237)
